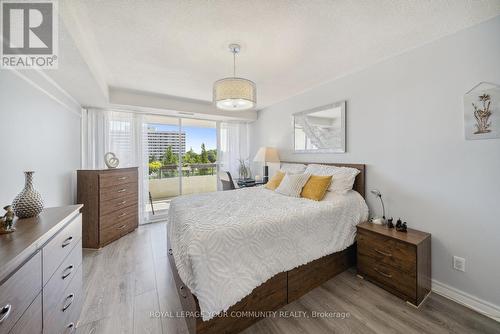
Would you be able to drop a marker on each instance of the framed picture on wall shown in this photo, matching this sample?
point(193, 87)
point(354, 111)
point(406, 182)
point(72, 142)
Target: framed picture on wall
point(321, 129)
point(482, 112)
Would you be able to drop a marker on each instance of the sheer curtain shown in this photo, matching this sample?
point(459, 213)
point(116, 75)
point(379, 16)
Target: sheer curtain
point(123, 133)
point(233, 145)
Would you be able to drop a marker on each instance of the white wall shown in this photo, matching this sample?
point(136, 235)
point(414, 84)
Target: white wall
point(405, 121)
point(37, 133)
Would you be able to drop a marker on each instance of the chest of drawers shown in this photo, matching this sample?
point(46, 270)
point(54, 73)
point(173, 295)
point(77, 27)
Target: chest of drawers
point(396, 261)
point(110, 199)
point(40, 273)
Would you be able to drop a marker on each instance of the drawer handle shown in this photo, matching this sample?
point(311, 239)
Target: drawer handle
point(66, 242)
point(70, 327)
point(383, 253)
point(123, 178)
point(66, 272)
point(5, 312)
point(122, 215)
point(182, 291)
point(170, 252)
point(122, 190)
point(121, 227)
point(68, 301)
point(122, 202)
point(382, 273)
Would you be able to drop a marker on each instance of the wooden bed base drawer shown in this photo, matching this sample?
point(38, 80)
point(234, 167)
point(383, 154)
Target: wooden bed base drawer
point(305, 278)
point(269, 296)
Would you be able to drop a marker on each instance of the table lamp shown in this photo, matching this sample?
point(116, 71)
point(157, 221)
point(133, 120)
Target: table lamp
point(378, 220)
point(265, 155)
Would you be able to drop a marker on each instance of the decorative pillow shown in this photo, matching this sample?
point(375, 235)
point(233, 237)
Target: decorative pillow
point(293, 168)
point(275, 181)
point(343, 177)
point(316, 187)
point(292, 184)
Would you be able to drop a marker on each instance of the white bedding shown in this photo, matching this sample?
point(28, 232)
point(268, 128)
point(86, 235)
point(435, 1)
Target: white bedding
point(227, 243)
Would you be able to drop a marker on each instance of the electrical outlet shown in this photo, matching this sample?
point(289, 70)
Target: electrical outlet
point(459, 263)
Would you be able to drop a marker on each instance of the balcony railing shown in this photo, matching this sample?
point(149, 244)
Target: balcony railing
point(164, 183)
point(170, 171)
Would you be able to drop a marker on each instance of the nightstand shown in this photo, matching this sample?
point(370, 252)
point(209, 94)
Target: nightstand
point(398, 262)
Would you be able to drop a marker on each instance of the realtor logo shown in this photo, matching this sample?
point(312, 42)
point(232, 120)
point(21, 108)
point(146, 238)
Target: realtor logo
point(29, 34)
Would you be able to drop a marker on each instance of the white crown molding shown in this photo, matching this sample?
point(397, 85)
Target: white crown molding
point(486, 308)
point(41, 81)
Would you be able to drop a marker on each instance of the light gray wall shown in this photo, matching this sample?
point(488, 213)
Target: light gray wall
point(36, 133)
point(405, 121)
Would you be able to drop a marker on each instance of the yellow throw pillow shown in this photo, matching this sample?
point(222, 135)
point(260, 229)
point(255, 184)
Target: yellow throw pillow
point(275, 181)
point(316, 187)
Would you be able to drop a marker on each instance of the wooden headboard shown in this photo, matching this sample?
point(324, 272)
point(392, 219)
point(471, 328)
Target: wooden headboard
point(359, 183)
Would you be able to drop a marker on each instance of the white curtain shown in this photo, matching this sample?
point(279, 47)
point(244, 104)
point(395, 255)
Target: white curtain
point(233, 145)
point(123, 133)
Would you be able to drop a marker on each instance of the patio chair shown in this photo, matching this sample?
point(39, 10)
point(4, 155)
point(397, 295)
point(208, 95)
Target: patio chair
point(226, 180)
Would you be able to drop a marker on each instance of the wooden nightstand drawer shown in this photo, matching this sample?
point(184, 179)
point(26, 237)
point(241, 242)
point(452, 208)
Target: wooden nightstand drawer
point(397, 261)
point(388, 251)
point(396, 281)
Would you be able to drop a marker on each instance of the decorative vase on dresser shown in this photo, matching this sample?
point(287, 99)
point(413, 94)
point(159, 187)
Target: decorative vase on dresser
point(111, 202)
point(29, 202)
point(41, 273)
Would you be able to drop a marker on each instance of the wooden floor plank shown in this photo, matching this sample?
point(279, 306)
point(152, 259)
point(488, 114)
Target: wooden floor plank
point(130, 278)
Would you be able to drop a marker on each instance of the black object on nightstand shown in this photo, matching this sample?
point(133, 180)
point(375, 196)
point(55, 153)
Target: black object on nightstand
point(249, 183)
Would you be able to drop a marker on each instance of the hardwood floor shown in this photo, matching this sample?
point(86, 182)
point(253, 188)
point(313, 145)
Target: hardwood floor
point(129, 279)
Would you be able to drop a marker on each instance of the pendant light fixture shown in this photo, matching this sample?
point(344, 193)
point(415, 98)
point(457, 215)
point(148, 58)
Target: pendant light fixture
point(234, 93)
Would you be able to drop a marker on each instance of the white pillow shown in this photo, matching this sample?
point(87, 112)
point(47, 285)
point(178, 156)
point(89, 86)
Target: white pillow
point(292, 184)
point(343, 177)
point(293, 168)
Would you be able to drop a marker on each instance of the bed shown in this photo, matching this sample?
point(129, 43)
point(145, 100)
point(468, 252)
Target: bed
point(236, 255)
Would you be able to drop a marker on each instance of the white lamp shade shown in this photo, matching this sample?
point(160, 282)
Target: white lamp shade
point(267, 154)
point(235, 94)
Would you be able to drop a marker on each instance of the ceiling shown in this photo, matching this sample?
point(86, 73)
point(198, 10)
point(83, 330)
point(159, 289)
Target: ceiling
point(179, 48)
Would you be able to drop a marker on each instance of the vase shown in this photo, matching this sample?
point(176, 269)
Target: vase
point(29, 202)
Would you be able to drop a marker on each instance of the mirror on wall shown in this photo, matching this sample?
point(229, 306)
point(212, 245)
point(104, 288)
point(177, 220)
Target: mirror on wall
point(320, 130)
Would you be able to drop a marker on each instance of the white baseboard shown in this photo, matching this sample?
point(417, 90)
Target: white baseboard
point(478, 305)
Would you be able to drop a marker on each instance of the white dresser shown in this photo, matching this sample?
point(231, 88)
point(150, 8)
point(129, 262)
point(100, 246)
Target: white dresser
point(41, 273)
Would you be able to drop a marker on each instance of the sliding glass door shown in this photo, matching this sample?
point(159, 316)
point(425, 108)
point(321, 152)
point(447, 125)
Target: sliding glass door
point(182, 160)
point(164, 142)
point(199, 163)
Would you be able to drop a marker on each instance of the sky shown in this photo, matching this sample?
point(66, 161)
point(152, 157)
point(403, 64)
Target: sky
point(194, 136)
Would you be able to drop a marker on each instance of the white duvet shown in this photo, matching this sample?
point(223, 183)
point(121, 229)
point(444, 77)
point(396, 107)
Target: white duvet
point(227, 243)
